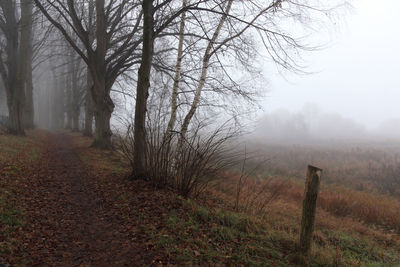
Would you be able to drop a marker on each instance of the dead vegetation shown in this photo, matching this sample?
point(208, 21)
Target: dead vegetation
point(186, 164)
point(353, 227)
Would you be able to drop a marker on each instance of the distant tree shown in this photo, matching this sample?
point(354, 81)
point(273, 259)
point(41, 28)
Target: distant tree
point(75, 88)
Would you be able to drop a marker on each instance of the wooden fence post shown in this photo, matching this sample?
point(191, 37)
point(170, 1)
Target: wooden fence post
point(309, 208)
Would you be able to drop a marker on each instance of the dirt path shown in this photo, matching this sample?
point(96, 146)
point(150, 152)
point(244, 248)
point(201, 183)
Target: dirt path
point(71, 220)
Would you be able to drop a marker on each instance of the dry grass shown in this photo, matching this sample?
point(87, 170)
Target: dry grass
point(346, 218)
point(12, 147)
point(372, 167)
point(258, 194)
point(370, 208)
point(337, 204)
point(351, 238)
point(18, 156)
point(103, 162)
point(353, 228)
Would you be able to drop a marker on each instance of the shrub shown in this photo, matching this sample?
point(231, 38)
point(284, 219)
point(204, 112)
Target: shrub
point(186, 166)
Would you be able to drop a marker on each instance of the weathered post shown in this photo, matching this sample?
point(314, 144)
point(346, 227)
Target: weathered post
point(309, 208)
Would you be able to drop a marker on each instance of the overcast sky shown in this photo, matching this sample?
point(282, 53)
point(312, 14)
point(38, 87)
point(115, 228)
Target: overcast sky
point(358, 75)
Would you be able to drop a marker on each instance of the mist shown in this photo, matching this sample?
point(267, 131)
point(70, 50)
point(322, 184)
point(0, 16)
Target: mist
point(350, 108)
point(355, 75)
point(312, 124)
point(199, 133)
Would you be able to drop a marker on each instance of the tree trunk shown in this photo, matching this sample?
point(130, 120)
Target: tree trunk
point(75, 105)
point(15, 116)
point(29, 112)
point(60, 98)
point(89, 113)
point(142, 94)
point(103, 103)
point(3, 99)
point(103, 112)
point(75, 119)
point(70, 76)
point(174, 95)
point(29, 107)
point(103, 107)
point(58, 111)
point(69, 107)
point(17, 107)
point(10, 70)
point(89, 109)
point(203, 76)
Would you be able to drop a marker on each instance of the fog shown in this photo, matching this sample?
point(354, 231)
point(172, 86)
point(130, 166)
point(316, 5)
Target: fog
point(356, 75)
point(311, 124)
point(195, 131)
point(350, 94)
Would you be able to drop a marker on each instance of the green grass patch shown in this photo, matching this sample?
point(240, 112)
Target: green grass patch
point(11, 218)
point(198, 235)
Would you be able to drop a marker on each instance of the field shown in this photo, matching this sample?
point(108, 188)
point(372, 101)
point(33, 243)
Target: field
point(357, 224)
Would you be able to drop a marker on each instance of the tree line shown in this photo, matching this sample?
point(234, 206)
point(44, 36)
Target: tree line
point(179, 61)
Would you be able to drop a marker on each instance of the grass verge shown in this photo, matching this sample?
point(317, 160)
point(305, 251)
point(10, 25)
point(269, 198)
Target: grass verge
point(17, 156)
point(186, 233)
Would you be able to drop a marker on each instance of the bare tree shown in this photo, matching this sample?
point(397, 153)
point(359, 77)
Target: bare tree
point(212, 37)
point(205, 64)
point(219, 32)
point(238, 30)
point(110, 54)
